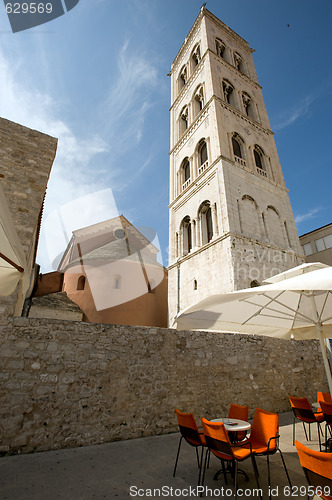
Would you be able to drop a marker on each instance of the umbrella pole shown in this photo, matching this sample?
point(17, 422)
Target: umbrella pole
point(318, 325)
point(326, 361)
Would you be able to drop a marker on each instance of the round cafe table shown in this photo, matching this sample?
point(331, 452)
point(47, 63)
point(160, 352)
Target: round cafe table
point(232, 426)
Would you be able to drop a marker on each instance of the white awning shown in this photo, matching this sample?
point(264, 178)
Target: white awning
point(12, 260)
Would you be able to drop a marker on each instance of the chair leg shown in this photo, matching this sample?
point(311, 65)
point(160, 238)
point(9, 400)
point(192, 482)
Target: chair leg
point(201, 465)
point(235, 478)
point(204, 469)
point(255, 465)
point(320, 444)
point(305, 431)
point(268, 475)
point(198, 465)
point(284, 464)
point(177, 456)
point(253, 460)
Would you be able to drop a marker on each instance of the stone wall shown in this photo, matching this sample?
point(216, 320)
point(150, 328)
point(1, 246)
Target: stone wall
point(66, 384)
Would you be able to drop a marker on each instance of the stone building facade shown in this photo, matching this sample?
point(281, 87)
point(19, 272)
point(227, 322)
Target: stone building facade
point(231, 222)
point(317, 245)
point(26, 159)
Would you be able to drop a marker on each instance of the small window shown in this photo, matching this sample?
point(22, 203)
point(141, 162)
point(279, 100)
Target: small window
point(81, 283)
point(308, 249)
point(195, 284)
point(236, 148)
point(184, 117)
point(328, 241)
point(186, 169)
point(205, 215)
point(228, 91)
point(186, 235)
point(248, 105)
point(203, 153)
point(258, 159)
point(198, 100)
point(209, 228)
point(196, 55)
point(183, 77)
point(238, 62)
point(320, 245)
point(183, 120)
point(220, 48)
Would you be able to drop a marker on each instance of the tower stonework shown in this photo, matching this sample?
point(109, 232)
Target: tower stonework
point(231, 224)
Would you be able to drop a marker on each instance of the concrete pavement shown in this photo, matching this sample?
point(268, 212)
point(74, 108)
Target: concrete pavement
point(135, 468)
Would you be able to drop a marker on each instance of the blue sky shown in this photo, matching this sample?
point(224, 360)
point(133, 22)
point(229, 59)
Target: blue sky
point(96, 78)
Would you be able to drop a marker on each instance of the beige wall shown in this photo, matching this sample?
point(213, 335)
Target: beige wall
point(65, 384)
point(129, 307)
point(317, 245)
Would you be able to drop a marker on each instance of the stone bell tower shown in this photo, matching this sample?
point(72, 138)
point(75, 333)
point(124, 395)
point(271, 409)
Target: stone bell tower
point(231, 222)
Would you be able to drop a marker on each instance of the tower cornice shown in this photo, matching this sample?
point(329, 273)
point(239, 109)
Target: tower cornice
point(194, 29)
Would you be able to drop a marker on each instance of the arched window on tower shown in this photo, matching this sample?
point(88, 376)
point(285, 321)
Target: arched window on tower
point(196, 56)
point(237, 145)
point(238, 62)
point(183, 120)
point(259, 161)
point(202, 156)
point(220, 48)
point(185, 173)
point(198, 100)
point(186, 235)
point(249, 107)
point(205, 216)
point(229, 93)
point(183, 77)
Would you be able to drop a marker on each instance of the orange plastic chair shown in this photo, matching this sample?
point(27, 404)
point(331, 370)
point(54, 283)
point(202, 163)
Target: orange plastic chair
point(317, 467)
point(191, 434)
point(327, 413)
point(264, 438)
point(241, 413)
point(302, 411)
point(324, 396)
point(218, 443)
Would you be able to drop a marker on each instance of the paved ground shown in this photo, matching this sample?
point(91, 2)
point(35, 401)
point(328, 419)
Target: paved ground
point(133, 469)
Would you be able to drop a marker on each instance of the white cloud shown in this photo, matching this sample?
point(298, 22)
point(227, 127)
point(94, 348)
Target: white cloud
point(71, 175)
point(290, 116)
point(129, 98)
point(308, 215)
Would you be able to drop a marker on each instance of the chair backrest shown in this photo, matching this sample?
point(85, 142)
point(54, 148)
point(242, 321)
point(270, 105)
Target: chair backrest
point(217, 439)
point(242, 413)
point(317, 467)
point(238, 411)
point(327, 411)
point(324, 396)
point(302, 409)
point(188, 428)
point(264, 427)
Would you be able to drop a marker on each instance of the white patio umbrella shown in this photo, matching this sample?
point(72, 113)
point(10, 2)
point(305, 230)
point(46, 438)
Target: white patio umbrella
point(299, 307)
point(12, 260)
